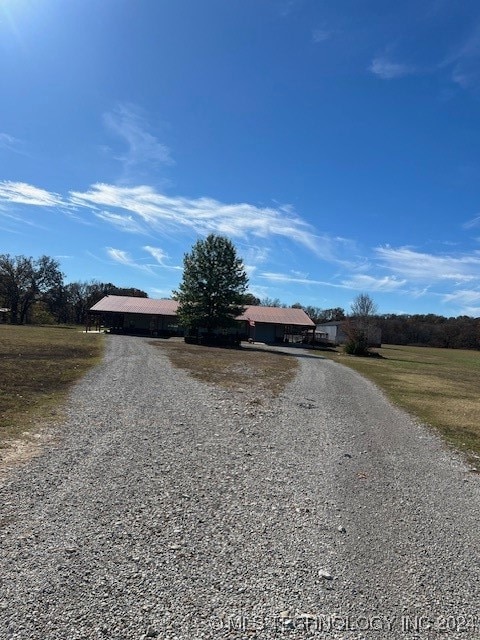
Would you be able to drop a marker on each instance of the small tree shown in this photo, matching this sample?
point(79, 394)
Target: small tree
point(358, 326)
point(213, 285)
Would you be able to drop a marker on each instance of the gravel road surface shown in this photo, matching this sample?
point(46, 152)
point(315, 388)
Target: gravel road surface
point(172, 509)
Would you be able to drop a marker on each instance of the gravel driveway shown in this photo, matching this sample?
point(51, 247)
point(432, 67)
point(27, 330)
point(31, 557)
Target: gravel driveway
point(172, 509)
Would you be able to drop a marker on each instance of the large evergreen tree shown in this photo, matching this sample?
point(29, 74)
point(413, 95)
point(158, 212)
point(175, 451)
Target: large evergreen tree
point(214, 281)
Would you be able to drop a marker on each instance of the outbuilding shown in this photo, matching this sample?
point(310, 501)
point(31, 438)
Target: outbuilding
point(333, 333)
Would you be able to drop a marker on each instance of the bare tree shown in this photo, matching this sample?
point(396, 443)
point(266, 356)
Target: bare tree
point(363, 306)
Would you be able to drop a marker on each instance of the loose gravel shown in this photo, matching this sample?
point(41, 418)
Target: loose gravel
point(169, 508)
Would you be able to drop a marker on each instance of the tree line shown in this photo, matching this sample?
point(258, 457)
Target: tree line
point(34, 291)
point(430, 330)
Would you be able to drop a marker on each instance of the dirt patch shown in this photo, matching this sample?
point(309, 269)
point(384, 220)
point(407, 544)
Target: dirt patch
point(260, 373)
point(15, 452)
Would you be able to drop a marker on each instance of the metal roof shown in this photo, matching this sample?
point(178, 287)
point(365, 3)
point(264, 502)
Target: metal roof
point(277, 315)
point(151, 306)
point(129, 304)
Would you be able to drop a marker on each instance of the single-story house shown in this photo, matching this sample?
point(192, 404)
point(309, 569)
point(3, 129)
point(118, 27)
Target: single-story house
point(148, 316)
point(333, 333)
point(275, 324)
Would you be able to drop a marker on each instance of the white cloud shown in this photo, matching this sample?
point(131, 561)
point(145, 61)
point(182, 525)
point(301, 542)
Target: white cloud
point(23, 193)
point(288, 6)
point(369, 283)
point(161, 257)
point(143, 148)
point(321, 35)
point(356, 282)
point(10, 143)
point(157, 253)
point(123, 223)
point(254, 254)
point(204, 215)
point(463, 297)
point(143, 209)
point(283, 277)
point(473, 222)
point(387, 70)
point(124, 258)
point(161, 293)
point(427, 267)
point(466, 301)
point(464, 61)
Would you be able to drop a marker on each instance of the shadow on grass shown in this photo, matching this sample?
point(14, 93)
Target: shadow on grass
point(285, 350)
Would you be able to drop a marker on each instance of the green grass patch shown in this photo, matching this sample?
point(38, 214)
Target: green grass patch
point(38, 365)
point(439, 386)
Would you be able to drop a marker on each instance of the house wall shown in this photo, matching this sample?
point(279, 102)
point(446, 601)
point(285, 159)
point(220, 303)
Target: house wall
point(335, 334)
point(331, 332)
point(263, 332)
point(147, 324)
point(144, 324)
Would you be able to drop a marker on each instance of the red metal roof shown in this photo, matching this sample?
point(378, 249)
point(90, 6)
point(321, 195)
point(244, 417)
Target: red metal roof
point(129, 304)
point(151, 306)
point(277, 315)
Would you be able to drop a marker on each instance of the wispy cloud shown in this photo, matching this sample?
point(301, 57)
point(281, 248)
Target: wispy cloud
point(202, 215)
point(427, 267)
point(385, 69)
point(124, 258)
point(160, 256)
point(466, 301)
point(464, 297)
point(473, 222)
point(286, 7)
point(144, 210)
point(464, 61)
point(23, 193)
point(286, 278)
point(255, 254)
point(157, 253)
point(356, 282)
point(122, 222)
point(369, 283)
point(321, 35)
point(161, 293)
point(143, 149)
point(10, 143)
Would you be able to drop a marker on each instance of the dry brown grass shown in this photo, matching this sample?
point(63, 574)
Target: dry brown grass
point(440, 386)
point(263, 372)
point(37, 367)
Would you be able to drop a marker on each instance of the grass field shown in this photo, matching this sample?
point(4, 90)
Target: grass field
point(233, 368)
point(37, 367)
point(440, 386)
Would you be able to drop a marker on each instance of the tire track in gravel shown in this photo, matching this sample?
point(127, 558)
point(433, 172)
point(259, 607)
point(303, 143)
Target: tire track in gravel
point(169, 509)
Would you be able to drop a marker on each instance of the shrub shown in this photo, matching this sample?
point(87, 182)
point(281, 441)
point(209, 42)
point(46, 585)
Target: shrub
point(357, 346)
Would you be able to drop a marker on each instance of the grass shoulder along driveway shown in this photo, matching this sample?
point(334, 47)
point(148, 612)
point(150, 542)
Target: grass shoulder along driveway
point(439, 386)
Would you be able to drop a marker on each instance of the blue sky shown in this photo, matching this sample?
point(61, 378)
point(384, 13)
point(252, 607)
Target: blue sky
point(335, 142)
